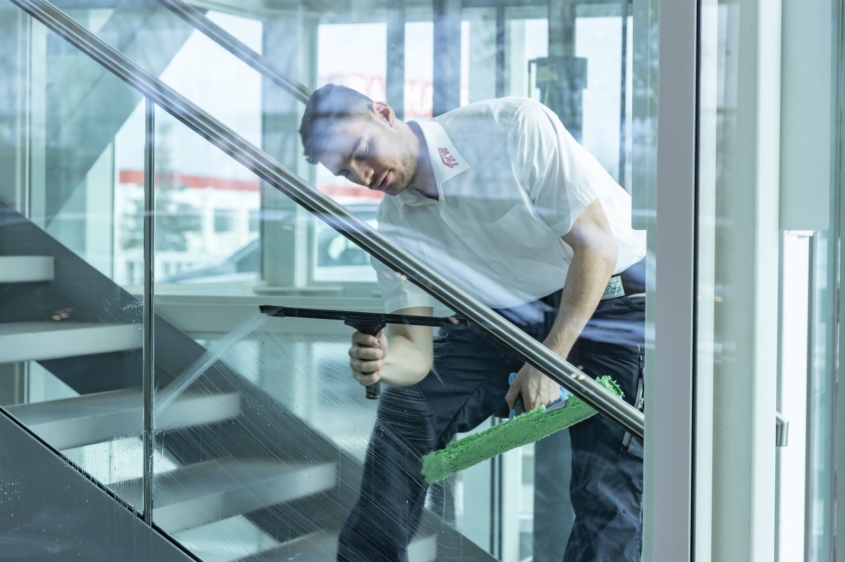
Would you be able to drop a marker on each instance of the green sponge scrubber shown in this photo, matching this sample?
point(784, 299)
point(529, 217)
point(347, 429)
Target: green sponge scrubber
point(521, 430)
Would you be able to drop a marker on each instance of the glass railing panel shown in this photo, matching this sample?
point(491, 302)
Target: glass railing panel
point(70, 355)
point(84, 126)
point(294, 374)
point(288, 428)
point(239, 395)
point(207, 212)
point(169, 48)
point(604, 39)
point(261, 112)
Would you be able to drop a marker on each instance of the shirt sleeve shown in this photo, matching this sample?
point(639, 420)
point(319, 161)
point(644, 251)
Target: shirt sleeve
point(559, 175)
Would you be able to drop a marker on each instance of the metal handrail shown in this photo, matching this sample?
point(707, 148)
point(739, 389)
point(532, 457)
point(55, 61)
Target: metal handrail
point(199, 21)
point(265, 167)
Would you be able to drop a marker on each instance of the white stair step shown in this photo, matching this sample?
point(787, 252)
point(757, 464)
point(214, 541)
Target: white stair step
point(322, 546)
point(39, 341)
point(105, 416)
point(226, 540)
point(220, 488)
point(26, 269)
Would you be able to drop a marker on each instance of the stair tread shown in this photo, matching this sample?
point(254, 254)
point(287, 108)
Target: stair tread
point(221, 475)
point(26, 269)
point(40, 341)
point(43, 327)
point(100, 403)
point(322, 545)
point(212, 490)
point(104, 416)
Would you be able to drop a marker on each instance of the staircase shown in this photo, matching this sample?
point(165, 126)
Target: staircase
point(233, 481)
point(238, 476)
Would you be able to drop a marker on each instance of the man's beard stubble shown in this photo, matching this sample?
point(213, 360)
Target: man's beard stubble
point(410, 165)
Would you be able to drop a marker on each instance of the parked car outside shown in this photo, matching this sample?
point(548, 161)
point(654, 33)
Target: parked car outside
point(336, 258)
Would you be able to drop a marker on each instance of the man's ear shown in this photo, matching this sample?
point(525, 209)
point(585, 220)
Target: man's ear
point(384, 111)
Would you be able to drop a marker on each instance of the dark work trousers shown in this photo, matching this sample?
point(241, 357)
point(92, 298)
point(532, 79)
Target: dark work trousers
point(468, 385)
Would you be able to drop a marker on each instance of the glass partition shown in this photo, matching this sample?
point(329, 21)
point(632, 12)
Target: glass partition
point(167, 47)
point(261, 432)
point(769, 153)
point(276, 466)
point(482, 505)
point(71, 332)
point(495, 145)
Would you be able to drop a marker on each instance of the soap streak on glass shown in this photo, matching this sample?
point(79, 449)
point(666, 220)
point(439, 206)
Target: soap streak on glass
point(171, 392)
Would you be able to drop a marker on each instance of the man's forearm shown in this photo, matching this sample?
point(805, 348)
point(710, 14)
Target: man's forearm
point(406, 364)
point(586, 280)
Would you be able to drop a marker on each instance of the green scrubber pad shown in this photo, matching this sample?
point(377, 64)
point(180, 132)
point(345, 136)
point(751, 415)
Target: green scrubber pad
point(521, 430)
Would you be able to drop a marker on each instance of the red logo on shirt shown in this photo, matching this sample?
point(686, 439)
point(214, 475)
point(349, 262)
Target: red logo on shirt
point(447, 157)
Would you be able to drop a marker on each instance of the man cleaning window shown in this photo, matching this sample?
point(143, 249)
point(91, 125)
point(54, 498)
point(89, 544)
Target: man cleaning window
point(498, 197)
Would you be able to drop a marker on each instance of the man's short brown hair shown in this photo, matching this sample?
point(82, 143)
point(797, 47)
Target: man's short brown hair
point(325, 108)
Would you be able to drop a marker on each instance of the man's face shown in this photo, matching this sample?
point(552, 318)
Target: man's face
point(372, 152)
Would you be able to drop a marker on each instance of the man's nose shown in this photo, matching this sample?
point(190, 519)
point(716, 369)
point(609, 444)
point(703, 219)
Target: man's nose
point(363, 174)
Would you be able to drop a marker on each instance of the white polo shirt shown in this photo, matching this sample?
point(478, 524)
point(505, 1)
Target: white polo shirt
point(511, 181)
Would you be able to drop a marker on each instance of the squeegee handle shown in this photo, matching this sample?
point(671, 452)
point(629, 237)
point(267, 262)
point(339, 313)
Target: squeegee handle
point(372, 329)
point(365, 322)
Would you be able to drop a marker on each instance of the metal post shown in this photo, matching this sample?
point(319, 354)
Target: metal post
point(496, 521)
point(149, 315)
point(500, 50)
point(447, 56)
point(838, 216)
point(283, 236)
point(667, 533)
point(820, 485)
point(624, 95)
point(561, 28)
point(644, 112)
point(396, 58)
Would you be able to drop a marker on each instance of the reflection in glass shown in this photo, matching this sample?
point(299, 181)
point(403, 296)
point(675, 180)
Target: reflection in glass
point(71, 333)
point(450, 227)
point(261, 432)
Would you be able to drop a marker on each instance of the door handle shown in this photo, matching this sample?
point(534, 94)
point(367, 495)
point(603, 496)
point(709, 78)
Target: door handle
point(781, 430)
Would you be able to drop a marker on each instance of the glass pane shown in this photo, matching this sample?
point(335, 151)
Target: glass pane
point(419, 70)
point(204, 209)
point(510, 507)
point(261, 431)
point(362, 67)
point(167, 47)
point(528, 41)
point(71, 332)
point(768, 268)
point(608, 96)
